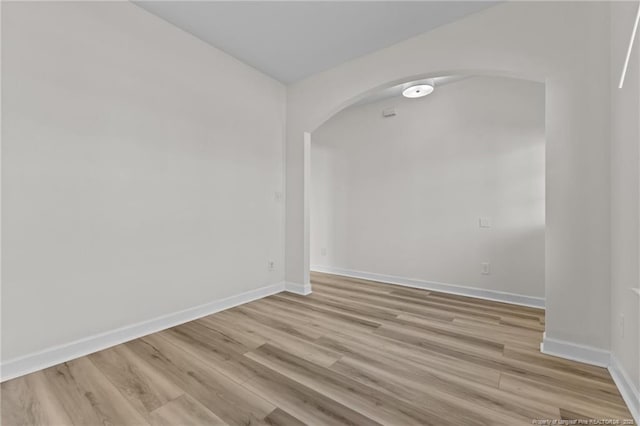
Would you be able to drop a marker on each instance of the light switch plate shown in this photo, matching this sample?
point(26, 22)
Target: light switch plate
point(389, 112)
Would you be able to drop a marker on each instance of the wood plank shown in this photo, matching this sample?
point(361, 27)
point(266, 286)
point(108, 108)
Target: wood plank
point(447, 393)
point(211, 346)
point(331, 304)
point(367, 401)
point(264, 314)
point(227, 399)
point(579, 400)
point(415, 306)
point(322, 316)
point(351, 283)
point(302, 402)
point(355, 352)
point(280, 417)
point(563, 365)
point(492, 332)
point(30, 400)
point(184, 411)
point(88, 397)
point(377, 349)
point(305, 348)
point(436, 342)
point(141, 385)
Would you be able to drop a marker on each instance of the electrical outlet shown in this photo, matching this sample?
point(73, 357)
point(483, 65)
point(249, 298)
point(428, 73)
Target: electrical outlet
point(277, 196)
point(485, 268)
point(271, 265)
point(484, 222)
point(389, 112)
point(323, 251)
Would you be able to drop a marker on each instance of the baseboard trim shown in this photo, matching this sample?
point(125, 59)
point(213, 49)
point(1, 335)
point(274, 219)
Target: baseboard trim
point(575, 352)
point(478, 293)
point(629, 392)
point(17, 367)
point(302, 289)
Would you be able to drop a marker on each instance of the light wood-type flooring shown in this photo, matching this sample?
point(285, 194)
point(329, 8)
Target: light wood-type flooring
point(354, 352)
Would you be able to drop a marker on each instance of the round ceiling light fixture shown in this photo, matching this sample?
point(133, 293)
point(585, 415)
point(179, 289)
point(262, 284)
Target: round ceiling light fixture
point(417, 91)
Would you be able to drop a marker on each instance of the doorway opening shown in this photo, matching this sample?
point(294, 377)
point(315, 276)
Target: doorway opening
point(443, 192)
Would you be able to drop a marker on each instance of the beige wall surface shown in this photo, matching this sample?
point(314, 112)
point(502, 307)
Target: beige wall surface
point(625, 191)
point(139, 168)
point(403, 195)
point(568, 53)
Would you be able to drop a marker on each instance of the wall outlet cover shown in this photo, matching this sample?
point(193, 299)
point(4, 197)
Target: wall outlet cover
point(485, 222)
point(486, 268)
point(389, 112)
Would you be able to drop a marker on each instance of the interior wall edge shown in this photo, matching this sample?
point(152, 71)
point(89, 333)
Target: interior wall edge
point(575, 352)
point(600, 358)
point(296, 288)
point(478, 293)
point(36, 361)
point(629, 392)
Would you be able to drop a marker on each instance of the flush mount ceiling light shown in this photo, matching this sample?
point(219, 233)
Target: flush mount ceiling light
point(417, 91)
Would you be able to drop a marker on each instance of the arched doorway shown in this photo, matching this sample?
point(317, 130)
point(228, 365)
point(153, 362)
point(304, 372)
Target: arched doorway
point(308, 138)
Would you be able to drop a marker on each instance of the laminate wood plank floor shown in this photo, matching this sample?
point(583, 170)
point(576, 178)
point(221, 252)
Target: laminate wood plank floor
point(354, 352)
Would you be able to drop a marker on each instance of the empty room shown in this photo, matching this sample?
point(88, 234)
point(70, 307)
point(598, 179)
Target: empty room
point(320, 212)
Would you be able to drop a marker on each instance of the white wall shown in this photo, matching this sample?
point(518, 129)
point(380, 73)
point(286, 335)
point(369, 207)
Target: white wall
point(570, 53)
point(403, 195)
point(625, 189)
point(139, 169)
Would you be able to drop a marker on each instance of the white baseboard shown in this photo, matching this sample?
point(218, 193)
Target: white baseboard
point(302, 289)
point(600, 358)
point(630, 393)
point(575, 352)
point(55, 355)
point(478, 293)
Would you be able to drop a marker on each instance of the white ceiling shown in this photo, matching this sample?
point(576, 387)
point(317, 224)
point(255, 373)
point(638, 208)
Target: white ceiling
point(291, 40)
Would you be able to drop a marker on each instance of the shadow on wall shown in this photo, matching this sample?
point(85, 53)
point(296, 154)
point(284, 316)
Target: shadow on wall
point(405, 195)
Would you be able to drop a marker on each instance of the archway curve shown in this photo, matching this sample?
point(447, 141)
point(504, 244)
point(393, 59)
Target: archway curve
point(308, 135)
point(567, 56)
point(422, 76)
